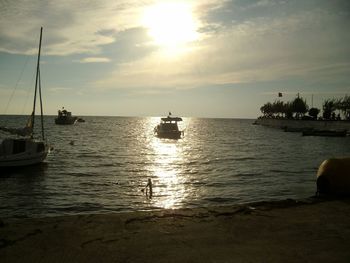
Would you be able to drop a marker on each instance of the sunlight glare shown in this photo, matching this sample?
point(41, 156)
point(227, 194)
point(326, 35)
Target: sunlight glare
point(171, 24)
point(167, 172)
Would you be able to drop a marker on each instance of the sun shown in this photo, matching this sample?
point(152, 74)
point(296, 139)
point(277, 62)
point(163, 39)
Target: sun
point(171, 25)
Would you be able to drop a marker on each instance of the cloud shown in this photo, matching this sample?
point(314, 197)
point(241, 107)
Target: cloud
point(95, 60)
point(241, 42)
point(70, 27)
point(305, 44)
point(59, 89)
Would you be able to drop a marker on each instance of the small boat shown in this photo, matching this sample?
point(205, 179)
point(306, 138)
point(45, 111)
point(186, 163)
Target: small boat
point(65, 117)
point(327, 133)
point(23, 149)
point(168, 128)
point(80, 120)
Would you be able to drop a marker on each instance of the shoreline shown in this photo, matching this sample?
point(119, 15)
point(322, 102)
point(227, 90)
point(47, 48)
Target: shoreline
point(304, 124)
point(269, 231)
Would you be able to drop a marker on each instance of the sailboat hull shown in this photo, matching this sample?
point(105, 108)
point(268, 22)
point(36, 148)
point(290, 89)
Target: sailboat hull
point(23, 160)
point(16, 152)
point(22, 152)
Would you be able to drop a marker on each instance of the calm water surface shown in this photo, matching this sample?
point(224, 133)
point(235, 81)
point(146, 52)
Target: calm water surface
point(218, 162)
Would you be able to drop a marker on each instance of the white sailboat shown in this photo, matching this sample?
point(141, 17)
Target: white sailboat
point(23, 149)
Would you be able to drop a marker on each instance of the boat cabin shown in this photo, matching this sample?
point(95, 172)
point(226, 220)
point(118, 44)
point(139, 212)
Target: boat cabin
point(17, 146)
point(170, 123)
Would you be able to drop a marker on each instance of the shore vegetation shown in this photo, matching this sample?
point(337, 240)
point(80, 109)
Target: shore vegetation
point(332, 109)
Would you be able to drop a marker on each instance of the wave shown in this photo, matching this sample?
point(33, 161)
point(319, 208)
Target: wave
point(280, 171)
point(220, 199)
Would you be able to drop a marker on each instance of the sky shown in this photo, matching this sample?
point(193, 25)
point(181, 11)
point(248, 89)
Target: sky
point(204, 58)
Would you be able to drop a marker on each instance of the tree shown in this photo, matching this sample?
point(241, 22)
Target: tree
point(313, 112)
point(287, 110)
point(329, 106)
point(299, 106)
point(278, 107)
point(266, 109)
point(344, 106)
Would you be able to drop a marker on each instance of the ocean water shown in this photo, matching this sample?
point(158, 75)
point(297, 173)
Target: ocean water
point(218, 162)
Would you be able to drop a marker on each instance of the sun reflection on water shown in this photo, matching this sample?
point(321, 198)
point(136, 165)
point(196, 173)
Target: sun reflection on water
point(168, 179)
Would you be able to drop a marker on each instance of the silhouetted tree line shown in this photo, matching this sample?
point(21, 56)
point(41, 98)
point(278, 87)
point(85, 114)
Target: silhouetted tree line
point(298, 108)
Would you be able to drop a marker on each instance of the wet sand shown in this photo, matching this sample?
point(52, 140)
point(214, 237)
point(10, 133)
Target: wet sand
point(285, 231)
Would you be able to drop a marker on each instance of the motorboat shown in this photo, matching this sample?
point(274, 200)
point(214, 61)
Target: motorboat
point(168, 128)
point(65, 117)
point(22, 149)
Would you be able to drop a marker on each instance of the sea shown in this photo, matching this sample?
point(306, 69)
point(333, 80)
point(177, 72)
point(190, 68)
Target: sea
point(103, 165)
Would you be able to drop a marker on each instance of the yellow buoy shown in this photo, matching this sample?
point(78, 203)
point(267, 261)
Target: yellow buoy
point(333, 176)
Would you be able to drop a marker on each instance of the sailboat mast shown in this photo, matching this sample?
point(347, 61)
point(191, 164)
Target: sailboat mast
point(41, 109)
point(37, 76)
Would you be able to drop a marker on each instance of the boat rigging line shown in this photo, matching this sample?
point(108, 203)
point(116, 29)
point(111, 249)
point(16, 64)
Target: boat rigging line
point(14, 89)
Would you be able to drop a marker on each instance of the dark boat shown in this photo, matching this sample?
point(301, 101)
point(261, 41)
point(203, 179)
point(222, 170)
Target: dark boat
point(328, 133)
point(65, 118)
point(294, 129)
point(168, 128)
